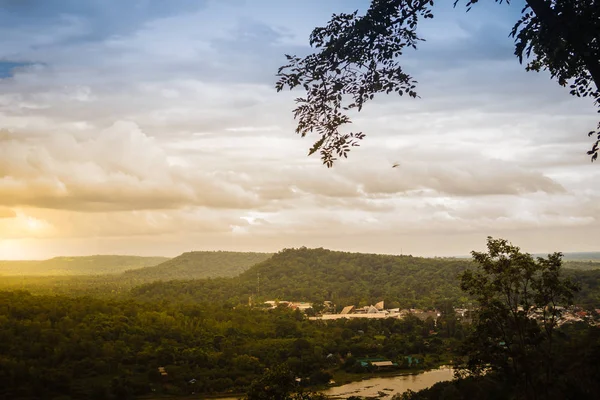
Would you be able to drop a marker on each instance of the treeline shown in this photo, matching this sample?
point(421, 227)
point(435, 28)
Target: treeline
point(84, 348)
point(102, 286)
point(344, 278)
point(319, 274)
point(292, 274)
point(582, 265)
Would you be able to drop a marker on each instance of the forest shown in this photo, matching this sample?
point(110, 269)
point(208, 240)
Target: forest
point(105, 337)
point(114, 276)
point(87, 348)
point(300, 274)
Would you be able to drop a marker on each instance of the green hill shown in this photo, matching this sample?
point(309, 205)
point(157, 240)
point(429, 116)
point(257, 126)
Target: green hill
point(292, 274)
point(198, 265)
point(344, 278)
point(320, 274)
point(88, 265)
point(80, 275)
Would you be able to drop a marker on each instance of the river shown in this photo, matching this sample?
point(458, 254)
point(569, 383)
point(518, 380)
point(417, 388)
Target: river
point(389, 385)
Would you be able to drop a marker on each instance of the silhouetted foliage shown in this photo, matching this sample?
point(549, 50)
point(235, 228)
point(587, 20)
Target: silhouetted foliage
point(577, 374)
point(520, 301)
point(359, 56)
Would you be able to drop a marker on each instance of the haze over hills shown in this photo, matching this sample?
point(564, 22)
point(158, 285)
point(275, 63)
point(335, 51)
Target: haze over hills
point(198, 265)
point(86, 265)
point(38, 277)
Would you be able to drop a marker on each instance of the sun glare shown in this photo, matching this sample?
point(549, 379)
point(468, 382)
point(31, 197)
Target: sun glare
point(14, 250)
point(34, 224)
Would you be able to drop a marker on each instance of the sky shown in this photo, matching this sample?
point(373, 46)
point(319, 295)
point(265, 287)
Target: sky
point(150, 127)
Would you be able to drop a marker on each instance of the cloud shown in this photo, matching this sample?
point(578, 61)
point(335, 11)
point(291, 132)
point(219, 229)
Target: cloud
point(119, 169)
point(459, 174)
point(158, 122)
point(7, 213)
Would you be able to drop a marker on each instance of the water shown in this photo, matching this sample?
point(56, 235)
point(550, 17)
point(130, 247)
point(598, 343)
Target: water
point(389, 385)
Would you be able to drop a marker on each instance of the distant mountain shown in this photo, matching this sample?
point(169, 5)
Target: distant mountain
point(198, 265)
point(87, 265)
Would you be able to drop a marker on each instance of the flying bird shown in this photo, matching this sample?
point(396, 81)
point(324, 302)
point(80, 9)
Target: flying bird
point(395, 165)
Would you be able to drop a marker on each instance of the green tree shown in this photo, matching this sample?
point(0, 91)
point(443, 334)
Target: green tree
point(359, 56)
point(520, 302)
point(275, 383)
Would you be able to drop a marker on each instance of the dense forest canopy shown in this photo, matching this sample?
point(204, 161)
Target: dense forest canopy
point(110, 345)
point(86, 348)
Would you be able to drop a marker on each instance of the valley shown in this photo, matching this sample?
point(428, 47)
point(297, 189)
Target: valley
point(202, 318)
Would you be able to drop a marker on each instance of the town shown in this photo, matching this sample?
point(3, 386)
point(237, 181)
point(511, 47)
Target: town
point(378, 311)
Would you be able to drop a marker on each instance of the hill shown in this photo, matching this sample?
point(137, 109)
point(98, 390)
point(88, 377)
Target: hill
point(344, 278)
point(87, 265)
point(320, 274)
point(198, 265)
point(292, 274)
point(38, 277)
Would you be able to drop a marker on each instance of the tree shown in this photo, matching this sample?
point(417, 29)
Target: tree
point(520, 302)
point(359, 56)
point(279, 384)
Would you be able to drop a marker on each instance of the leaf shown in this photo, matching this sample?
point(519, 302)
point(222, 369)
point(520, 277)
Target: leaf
point(316, 146)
